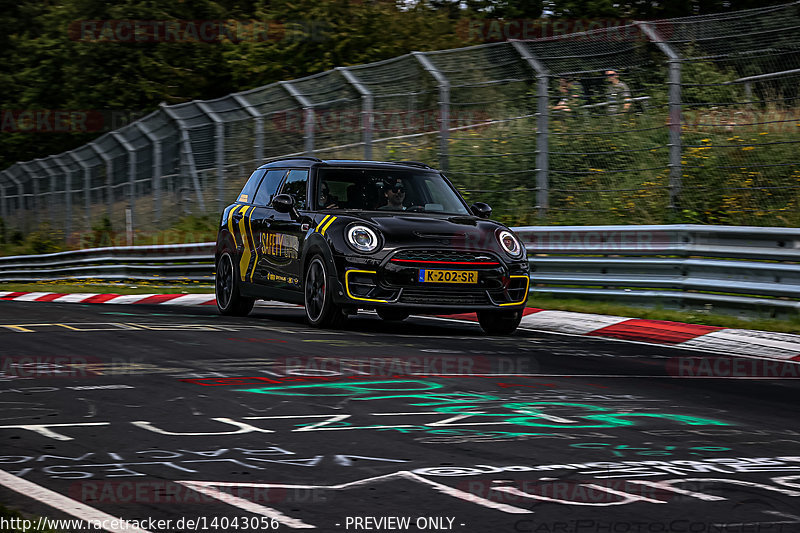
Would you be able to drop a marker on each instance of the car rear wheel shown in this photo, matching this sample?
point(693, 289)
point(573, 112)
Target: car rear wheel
point(499, 322)
point(321, 312)
point(226, 288)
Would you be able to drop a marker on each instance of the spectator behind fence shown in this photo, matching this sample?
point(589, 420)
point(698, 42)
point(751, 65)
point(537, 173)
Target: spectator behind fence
point(617, 93)
point(570, 95)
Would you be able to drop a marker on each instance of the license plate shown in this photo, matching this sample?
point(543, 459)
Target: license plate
point(448, 276)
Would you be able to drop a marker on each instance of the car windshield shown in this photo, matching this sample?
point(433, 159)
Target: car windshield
point(368, 189)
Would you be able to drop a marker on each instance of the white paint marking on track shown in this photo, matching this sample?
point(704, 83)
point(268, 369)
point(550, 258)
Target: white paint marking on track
point(190, 299)
point(751, 342)
point(31, 296)
point(4, 293)
point(65, 504)
point(208, 488)
point(721, 349)
point(128, 298)
point(568, 322)
point(75, 297)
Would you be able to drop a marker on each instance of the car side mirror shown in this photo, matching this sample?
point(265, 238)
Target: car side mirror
point(481, 210)
point(284, 203)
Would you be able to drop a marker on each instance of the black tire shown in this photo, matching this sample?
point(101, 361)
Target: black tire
point(499, 322)
point(226, 287)
point(387, 313)
point(321, 312)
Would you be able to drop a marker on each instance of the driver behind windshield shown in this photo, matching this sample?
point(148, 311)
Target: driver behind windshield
point(326, 200)
point(395, 193)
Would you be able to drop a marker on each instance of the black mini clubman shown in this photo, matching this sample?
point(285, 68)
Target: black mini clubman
point(337, 236)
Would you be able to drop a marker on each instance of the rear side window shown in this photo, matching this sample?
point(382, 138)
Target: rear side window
point(269, 186)
point(249, 189)
point(295, 184)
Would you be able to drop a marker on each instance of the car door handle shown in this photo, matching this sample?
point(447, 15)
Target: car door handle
point(237, 216)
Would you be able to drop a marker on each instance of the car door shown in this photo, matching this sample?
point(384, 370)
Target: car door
point(286, 235)
point(260, 220)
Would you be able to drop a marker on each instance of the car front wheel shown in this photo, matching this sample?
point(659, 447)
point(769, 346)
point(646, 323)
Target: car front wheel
point(499, 322)
point(321, 312)
point(226, 288)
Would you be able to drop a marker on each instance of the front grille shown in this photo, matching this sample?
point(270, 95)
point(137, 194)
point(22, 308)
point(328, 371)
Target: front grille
point(444, 296)
point(443, 255)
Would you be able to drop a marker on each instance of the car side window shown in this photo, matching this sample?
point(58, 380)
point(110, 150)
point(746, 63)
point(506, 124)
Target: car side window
point(268, 188)
point(249, 189)
point(295, 184)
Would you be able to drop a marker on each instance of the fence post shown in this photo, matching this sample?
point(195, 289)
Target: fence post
point(4, 203)
point(542, 127)
point(20, 195)
point(155, 145)
point(186, 151)
point(444, 107)
point(87, 189)
point(674, 83)
point(67, 196)
point(131, 182)
point(259, 127)
point(34, 179)
point(109, 173)
point(367, 103)
point(308, 115)
point(3, 208)
point(219, 148)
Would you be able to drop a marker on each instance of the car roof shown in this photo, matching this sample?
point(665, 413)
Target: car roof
point(307, 162)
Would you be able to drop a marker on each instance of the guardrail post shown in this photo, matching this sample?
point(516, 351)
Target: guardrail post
point(109, 176)
point(258, 128)
point(542, 127)
point(367, 103)
point(67, 197)
point(308, 116)
point(675, 119)
point(155, 145)
point(186, 152)
point(131, 183)
point(444, 107)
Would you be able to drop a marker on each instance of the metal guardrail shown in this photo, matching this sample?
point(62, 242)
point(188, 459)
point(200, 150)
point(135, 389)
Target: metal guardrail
point(171, 262)
point(741, 268)
point(732, 267)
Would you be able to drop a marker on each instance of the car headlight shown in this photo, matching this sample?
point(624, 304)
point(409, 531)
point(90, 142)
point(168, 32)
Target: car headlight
point(362, 238)
point(510, 244)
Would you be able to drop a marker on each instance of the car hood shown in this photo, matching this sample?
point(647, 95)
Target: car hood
point(434, 230)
